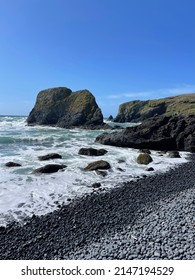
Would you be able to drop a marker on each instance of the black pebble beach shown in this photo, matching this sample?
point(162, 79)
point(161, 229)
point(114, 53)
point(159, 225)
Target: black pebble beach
point(153, 218)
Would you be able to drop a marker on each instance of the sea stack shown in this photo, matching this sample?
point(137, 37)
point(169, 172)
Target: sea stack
point(63, 108)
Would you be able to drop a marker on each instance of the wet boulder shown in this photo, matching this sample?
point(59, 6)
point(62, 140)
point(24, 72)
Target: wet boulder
point(174, 154)
point(92, 152)
point(49, 156)
point(96, 185)
point(100, 164)
point(144, 159)
point(12, 164)
point(101, 173)
point(50, 168)
point(150, 169)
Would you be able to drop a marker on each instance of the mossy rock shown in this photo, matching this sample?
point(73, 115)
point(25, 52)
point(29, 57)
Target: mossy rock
point(180, 105)
point(96, 165)
point(144, 159)
point(63, 108)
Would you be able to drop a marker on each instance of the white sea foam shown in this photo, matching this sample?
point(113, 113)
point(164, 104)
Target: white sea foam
point(23, 193)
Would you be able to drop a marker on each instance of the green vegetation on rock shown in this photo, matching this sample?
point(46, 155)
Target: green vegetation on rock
point(64, 108)
point(144, 158)
point(137, 110)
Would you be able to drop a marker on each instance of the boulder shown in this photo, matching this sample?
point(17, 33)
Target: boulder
point(96, 185)
point(100, 164)
point(101, 173)
point(50, 168)
point(63, 108)
point(174, 154)
point(92, 152)
point(158, 133)
point(12, 164)
point(49, 156)
point(120, 169)
point(150, 169)
point(144, 159)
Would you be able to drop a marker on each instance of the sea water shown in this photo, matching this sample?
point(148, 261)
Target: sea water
point(23, 193)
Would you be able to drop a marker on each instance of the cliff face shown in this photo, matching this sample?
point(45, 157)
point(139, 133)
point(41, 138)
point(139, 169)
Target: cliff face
point(64, 108)
point(183, 105)
point(156, 133)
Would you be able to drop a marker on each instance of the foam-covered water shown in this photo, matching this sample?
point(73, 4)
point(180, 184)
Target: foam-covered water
point(23, 193)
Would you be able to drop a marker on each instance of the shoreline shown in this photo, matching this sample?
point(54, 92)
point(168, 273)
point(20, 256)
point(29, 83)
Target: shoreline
point(110, 225)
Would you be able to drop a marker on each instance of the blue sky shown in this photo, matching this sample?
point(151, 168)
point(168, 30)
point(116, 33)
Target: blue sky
point(119, 50)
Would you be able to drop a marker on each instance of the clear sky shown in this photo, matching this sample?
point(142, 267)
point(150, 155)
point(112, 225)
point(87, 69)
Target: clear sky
point(120, 50)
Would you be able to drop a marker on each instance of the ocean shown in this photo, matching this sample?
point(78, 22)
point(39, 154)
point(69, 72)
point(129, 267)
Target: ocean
point(23, 193)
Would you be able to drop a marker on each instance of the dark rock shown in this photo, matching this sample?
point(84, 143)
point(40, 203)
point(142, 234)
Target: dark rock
point(120, 169)
point(100, 164)
point(49, 156)
point(50, 168)
point(144, 159)
point(12, 164)
point(110, 118)
point(63, 108)
point(2, 228)
point(96, 185)
point(145, 151)
point(121, 161)
point(21, 205)
point(174, 154)
point(92, 152)
point(150, 169)
point(161, 153)
point(157, 133)
point(101, 173)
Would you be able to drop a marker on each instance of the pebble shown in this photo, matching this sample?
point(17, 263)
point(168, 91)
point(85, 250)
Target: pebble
point(157, 211)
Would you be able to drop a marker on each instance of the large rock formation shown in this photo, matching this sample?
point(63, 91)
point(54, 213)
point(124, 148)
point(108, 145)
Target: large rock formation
point(140, 110)
point(157, 133)
point(63, 108)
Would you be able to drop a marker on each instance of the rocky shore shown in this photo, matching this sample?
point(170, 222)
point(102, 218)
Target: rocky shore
point(156, 133)
point(151, 218)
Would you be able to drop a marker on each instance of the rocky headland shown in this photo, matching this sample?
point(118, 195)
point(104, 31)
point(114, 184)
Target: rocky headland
point(137, 111)
point(63, 108)
point(156, 133)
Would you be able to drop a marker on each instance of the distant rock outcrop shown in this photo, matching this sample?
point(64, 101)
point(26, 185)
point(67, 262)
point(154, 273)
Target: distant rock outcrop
point(110, 118)
point(63, 108)
point(157, 133)
point(137, 110)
